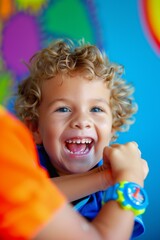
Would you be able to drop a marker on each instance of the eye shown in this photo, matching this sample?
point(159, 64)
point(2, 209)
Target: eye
point(96, 109)
point(63, 109)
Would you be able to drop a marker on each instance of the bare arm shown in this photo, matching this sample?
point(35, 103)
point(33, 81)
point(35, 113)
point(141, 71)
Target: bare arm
point(112, 223)
point(89, 182)
point(68, 225)
point(86, 183)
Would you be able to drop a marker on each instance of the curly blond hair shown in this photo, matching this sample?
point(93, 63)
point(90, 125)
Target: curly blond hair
point(65, 57)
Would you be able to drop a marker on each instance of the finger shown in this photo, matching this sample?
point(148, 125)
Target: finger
point(114, 145)
point(135, 143)
point(145, 168)
point(139, 152)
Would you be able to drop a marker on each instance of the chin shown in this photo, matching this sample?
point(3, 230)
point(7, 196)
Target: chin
point(79, 170)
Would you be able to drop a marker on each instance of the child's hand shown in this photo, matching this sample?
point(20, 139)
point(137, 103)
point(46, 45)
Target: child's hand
point(125, 163)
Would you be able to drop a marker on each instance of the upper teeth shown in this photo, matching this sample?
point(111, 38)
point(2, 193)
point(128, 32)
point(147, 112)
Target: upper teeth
point(79, 141)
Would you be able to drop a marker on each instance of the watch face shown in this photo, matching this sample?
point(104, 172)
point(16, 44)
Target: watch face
point(136, 194)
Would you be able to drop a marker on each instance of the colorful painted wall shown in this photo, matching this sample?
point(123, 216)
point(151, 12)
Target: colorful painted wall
point(27, 26)
point(127, 30)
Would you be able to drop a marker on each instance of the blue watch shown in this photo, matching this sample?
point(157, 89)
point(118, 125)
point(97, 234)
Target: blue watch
point(129, 195)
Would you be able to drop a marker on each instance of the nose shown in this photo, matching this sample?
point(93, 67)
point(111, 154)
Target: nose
point(81, 121)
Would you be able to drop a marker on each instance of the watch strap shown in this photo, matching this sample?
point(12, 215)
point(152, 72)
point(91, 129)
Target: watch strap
point(110, 193)
point(118, 193)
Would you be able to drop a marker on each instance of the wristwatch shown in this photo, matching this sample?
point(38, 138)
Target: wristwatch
point(129, 195)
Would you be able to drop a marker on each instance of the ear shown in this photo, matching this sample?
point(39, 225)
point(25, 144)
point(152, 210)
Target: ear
point(33, 127)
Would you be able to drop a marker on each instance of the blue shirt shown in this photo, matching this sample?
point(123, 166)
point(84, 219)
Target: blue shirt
point(88, 206)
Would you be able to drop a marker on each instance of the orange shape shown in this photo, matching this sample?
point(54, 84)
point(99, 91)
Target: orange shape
point(150, 13)
point(6, 9)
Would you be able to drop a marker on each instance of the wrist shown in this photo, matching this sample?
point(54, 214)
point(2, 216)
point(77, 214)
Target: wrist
point(130, 177)
point(105, 178)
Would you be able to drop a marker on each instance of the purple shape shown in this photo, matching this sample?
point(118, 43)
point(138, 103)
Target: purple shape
point(20, 40)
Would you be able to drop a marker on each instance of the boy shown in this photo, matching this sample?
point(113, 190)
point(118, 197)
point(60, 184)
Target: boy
point(33, 208)
point(74, 102)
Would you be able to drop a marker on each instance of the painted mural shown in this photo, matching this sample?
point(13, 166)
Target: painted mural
point(27, 26)
point(150, 18)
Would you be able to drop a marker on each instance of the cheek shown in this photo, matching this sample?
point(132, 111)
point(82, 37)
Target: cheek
point(50, 143)
point(50, 134)
point(106, 134)
point(105, 127)
point(52, 137)
point(46, 133)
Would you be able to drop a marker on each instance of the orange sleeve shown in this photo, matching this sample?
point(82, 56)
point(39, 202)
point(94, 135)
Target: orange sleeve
point(27, 197)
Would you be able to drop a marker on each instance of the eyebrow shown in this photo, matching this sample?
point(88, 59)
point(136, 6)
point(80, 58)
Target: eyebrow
point(56, 100)
point(101, 100)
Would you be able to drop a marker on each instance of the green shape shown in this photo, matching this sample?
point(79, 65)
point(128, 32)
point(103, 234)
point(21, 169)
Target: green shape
point(68, 18)
point(5, 87)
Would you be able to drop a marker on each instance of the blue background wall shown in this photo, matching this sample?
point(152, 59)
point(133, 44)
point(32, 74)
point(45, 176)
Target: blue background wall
point(115, 26)
point(126, 43)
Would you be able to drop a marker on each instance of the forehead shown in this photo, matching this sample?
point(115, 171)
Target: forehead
point(76, 88)
point(74, 80)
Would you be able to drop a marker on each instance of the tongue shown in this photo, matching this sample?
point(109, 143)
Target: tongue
point(75, 148)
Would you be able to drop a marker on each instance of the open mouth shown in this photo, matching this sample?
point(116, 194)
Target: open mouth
point(79, 146)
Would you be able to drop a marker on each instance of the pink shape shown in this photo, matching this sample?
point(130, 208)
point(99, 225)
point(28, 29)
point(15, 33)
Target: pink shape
point(20, 40)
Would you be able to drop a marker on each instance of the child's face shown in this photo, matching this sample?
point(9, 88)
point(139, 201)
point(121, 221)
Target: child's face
point(75, 122)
